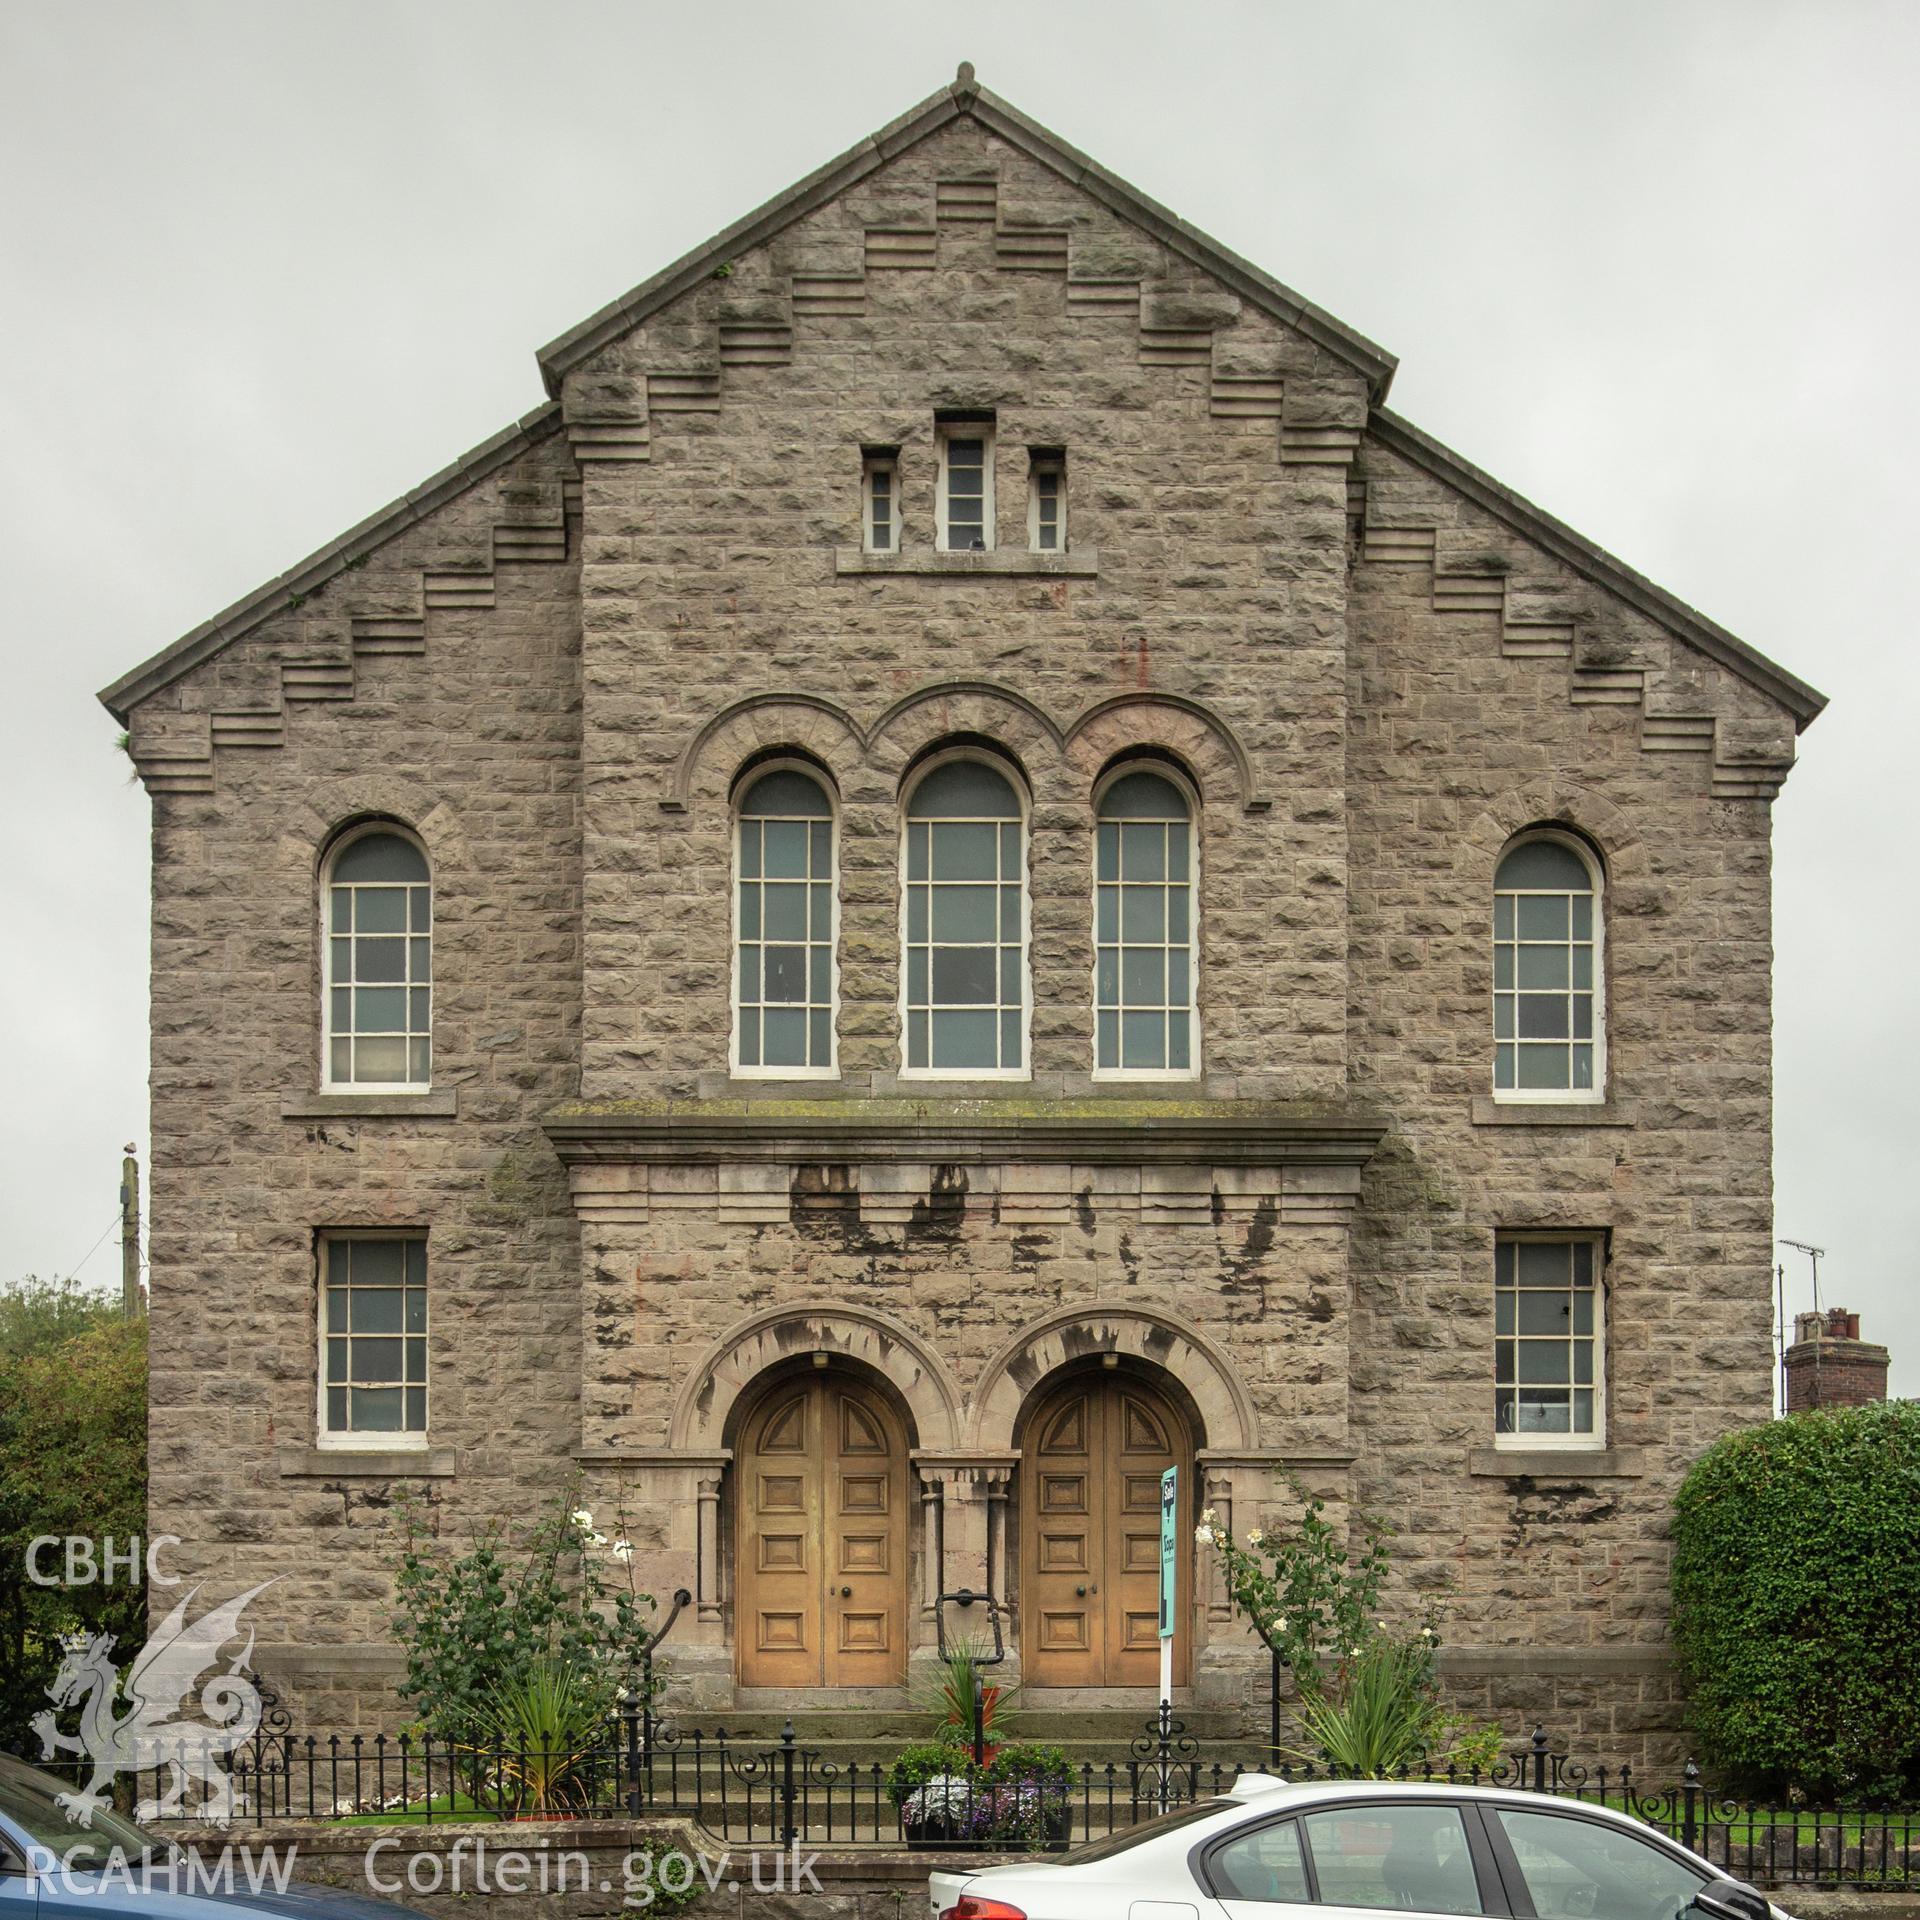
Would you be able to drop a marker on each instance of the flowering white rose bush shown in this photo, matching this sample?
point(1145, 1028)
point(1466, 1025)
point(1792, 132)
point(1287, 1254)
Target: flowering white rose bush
point(502, 1637)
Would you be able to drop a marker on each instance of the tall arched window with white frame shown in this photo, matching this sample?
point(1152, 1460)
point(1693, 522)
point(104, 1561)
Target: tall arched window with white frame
point(377, 998)
point(1549, 1000)
point(1145, 928)
point(964, 987)
point(786, 887)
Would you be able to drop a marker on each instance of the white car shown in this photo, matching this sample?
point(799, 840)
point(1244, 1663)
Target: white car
point(1270, 1850)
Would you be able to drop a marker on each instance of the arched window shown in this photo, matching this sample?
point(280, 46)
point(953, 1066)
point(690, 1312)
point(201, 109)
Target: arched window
point(784, 981)
point(1549, 1037)
point(379, 963)
point(1143, 928)
point(965, 923)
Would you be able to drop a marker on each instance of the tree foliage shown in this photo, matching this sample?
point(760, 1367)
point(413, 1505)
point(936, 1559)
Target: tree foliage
point(73, 1461)
point(1796, 1591)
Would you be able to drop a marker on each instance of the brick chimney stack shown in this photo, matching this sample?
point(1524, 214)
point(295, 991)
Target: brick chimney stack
point(1829, 1365)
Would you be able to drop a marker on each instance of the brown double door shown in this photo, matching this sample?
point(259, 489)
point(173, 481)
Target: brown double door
point(1090, 1535)
point(821, 1552)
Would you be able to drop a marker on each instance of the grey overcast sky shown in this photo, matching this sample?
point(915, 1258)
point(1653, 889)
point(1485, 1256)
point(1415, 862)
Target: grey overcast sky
point(265, 267)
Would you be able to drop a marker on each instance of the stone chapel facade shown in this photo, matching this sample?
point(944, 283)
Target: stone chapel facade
point(961, 873)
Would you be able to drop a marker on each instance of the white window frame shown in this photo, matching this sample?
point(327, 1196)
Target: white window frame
point(355, 1440)
point(889, 464)
point(1596, 1441)
point(1024, 802)
point(375, 1089)
point(1055, 464)
point(809, 770)
point(1174, 778)
point(1595, 1095)
point(983, 431)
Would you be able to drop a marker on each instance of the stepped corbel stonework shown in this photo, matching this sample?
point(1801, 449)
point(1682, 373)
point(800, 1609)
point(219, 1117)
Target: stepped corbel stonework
point(386, 589)
point(813, 286)
point(1569, 624)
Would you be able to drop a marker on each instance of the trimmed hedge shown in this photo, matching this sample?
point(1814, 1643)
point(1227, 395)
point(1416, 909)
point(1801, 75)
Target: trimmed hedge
point(1796, 1592)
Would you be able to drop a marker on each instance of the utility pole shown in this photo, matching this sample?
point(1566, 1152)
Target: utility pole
point(1780, 1331)
point(130, 1299)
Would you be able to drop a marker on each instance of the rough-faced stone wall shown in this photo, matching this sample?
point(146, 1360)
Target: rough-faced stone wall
point(1457, 743)
point(710, 576)
point(1373, 684)
point(470, 737)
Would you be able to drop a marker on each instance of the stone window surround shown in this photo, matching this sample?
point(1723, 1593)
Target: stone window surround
point(1176, 776)
point(340, 844)
point(1574, 1445)
point(1589, 858)
point(347, 1442)
point(1042, 462)
point(1083, 564)
point(981, 427)
point(1009, 770)
point(812, 771)
point(876, 461)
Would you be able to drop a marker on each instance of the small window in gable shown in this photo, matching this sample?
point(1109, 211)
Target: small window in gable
point(964, 507)
point(881, 500)
point(378, 993)
point(1047, 502)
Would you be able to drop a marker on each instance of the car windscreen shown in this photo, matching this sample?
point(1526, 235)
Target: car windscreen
point(31, 1800)
point(1125, 1837)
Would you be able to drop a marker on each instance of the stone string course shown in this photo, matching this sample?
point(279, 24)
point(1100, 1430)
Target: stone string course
point(555, 677)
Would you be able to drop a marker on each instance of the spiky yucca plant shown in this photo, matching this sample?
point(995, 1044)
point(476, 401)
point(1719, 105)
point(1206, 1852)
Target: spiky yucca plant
point(540, 1727)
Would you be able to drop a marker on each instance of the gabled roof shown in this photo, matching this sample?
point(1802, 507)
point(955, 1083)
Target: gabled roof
point(1557, 538)
point(967, 96)
point(312, 573)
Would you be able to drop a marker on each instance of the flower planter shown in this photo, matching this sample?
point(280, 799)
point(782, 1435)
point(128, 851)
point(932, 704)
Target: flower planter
point(937, 1830)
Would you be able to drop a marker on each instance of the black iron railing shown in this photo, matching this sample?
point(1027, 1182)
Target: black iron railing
point(751, 1789)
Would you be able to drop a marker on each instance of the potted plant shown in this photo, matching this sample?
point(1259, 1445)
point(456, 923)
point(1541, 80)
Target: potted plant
point(959, 1692)
point(932, 1784)
point(1030, 1798)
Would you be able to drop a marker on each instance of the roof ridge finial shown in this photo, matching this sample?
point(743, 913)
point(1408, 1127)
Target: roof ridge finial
point(965, 86)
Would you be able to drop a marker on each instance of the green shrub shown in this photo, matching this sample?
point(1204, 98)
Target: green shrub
point(478, 1623)
point(925, 1760)
point(1796, 1593)
point(1029, 1760)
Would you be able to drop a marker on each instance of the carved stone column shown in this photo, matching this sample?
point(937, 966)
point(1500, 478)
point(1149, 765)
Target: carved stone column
point(709, 1601)
point(971, 1491)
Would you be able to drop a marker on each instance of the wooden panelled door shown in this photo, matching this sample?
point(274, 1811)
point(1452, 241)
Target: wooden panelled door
point(1090, 1534)
point(821, 1549)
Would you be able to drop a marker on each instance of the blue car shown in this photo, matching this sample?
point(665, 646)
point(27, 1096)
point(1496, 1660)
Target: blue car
point(51, 1867)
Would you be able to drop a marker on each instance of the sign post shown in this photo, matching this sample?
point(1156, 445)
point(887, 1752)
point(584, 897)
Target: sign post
point(1169, 1576)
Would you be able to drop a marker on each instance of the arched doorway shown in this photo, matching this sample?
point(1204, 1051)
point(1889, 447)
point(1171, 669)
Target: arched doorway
point(1095, 1448)
point(821, 1544)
